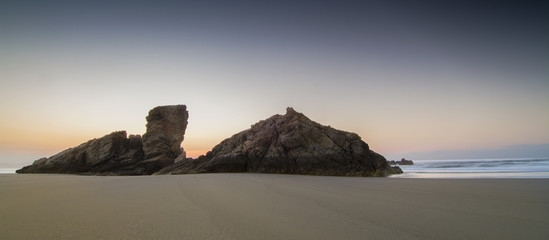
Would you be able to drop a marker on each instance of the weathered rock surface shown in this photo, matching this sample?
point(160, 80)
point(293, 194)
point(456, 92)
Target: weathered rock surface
point(397, 169)
point(116, 154)
point(289, 143)
point(292, 144)
point(165, 130)
point(112, 154)
point(401, 162)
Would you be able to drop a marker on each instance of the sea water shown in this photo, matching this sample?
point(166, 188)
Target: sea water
point(466, 168)
point(7, 170)
point(477, 168)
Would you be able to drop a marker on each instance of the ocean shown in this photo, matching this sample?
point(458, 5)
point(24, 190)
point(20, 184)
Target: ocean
point(7, 170)
point(466, 168)
point(477, 168)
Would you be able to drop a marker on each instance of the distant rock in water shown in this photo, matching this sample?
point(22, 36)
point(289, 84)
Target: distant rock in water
point(401, 162)
point(116, 154)
point(291, 144)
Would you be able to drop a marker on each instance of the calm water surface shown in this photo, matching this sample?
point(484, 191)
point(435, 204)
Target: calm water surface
point(477, 168)
point(466, 168)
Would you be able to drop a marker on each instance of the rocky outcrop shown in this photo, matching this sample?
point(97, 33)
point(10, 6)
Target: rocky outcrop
point(397, 169)
point(401, 162)
point(117, 154)
point(289, 143)
point(112, 154)
point(165, 130)
point(292, 144)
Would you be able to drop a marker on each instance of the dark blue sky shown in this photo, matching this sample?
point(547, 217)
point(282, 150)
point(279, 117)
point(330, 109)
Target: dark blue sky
point(508, 35)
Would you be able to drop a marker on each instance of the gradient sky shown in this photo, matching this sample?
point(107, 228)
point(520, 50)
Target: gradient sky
point(407, 76)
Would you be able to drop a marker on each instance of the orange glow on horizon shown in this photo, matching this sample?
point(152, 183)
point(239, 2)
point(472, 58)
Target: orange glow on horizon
point(192, 153)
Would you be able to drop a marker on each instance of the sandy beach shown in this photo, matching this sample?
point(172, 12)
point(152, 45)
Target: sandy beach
point(270, 206)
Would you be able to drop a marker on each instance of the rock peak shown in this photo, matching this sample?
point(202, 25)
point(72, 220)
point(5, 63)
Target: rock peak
point(291, 113)
point(290, 110)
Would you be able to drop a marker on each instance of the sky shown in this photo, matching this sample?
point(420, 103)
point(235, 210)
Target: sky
point(407, 76)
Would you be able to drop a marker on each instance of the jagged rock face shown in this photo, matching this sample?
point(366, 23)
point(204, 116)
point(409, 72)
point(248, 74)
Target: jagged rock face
point(166, 127)
point(116, 154)
point(289, 143)
point(113, 154)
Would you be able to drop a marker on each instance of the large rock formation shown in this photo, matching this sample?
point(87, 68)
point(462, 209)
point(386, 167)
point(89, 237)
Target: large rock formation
point(165, 130)
point(289, 143)
point(112, 154)
point(116, 154)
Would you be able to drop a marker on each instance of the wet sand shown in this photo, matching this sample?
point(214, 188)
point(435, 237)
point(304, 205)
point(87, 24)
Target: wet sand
point(269, 206)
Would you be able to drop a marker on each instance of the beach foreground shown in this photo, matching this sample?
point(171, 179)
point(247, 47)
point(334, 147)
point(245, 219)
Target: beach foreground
point(270, 206)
